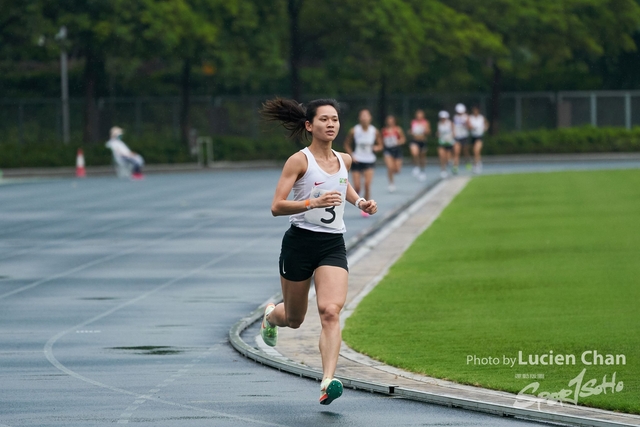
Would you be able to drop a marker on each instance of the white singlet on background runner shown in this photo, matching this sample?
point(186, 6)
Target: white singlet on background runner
point(364, 142)
point(477, 125)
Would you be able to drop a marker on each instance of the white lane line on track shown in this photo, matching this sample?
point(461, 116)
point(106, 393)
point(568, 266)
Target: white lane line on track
point(107, 201)
point(68, 239)
point(117, 224)
point(125, 419)
point(110, 257)
point(48, 347)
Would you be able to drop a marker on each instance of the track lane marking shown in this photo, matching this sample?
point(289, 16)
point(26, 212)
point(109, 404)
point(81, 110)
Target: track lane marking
point(48, 347)
point(112, 256)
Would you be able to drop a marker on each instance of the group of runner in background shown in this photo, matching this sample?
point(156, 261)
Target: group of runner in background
point(458, 135)
point(454, 137)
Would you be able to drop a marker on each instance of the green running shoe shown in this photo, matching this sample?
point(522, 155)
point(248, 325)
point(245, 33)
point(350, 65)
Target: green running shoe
point(468, 166)
point(269, 333)
point(330, 390)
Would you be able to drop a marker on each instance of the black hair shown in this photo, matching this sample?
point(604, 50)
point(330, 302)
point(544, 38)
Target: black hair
point(293, 115)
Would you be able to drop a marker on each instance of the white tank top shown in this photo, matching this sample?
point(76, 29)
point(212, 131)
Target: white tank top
point(313, 184)
point(364, 142)
point(460, 123)
point(418, 127)
point(477, 124)
point(445, 132)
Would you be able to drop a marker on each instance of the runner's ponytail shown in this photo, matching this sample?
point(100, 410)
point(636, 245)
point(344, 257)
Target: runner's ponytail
point(293, 115)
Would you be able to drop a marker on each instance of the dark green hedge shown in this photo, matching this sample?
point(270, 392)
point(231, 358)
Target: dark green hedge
point(154, 151)
point(573, 140)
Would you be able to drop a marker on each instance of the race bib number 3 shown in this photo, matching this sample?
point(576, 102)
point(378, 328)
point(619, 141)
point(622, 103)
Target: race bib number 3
point(327, 217)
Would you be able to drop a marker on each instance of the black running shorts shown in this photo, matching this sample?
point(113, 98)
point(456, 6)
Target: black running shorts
point(303, 251)
point(395, 152)
point(421, 144)
point(361, 166)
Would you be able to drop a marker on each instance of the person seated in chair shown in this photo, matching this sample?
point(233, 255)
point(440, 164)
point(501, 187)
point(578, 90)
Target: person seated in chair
point(123, 153)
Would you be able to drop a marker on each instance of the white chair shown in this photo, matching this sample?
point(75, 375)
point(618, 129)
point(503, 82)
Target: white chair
point(124, 169)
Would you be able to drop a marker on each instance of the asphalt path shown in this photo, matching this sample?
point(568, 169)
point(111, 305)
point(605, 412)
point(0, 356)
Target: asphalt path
point(116, 298)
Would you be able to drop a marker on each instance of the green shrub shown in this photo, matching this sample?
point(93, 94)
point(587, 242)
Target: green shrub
point(154, 151)
point(585, 139)
point(236, 148)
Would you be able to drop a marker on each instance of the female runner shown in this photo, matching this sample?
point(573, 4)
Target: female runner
point(461, 135)
point(318, 177)
point(445, 141)
point(479, 126)
point(420, 130)
point(393, 139)
point(367, 142)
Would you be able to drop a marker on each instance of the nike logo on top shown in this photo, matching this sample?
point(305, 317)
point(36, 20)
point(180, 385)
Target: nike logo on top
point(318, 183)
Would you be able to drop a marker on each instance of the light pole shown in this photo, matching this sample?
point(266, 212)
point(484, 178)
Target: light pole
point(64, 83)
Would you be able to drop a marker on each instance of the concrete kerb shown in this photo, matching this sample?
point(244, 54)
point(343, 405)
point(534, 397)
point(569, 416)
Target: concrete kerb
point(267, 356)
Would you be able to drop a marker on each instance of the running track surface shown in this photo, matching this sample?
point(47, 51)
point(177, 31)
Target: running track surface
point(116, 298)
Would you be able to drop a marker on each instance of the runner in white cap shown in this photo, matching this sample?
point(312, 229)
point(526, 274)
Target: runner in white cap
point(445, 141)
point(479, 126)
point(461, 135)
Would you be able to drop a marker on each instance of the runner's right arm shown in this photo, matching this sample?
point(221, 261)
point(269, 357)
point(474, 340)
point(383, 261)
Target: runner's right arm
point(403, 138)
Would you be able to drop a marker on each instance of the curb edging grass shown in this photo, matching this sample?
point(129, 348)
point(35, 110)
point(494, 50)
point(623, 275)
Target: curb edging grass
point(277, 361)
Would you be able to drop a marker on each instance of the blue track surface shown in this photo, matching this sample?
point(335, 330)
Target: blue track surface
point(116, 298)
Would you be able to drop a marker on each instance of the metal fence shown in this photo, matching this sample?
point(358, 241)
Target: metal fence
point(34, 120)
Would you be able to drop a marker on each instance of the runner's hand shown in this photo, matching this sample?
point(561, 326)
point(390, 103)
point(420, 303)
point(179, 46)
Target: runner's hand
point(332, 198)
point(369, 206)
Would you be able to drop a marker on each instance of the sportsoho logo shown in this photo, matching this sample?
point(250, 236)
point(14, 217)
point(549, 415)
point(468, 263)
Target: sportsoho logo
point(578, 387)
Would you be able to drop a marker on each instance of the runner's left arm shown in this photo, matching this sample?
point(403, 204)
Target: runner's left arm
point(379, 144)
point(369, 206)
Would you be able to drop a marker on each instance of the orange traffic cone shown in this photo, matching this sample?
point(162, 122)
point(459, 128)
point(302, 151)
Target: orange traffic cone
point(80, 171)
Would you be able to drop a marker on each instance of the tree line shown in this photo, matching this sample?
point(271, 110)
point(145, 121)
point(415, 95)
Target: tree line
point(300, 47)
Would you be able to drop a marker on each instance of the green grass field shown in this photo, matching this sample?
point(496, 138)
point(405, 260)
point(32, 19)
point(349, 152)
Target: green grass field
point(536, 263)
